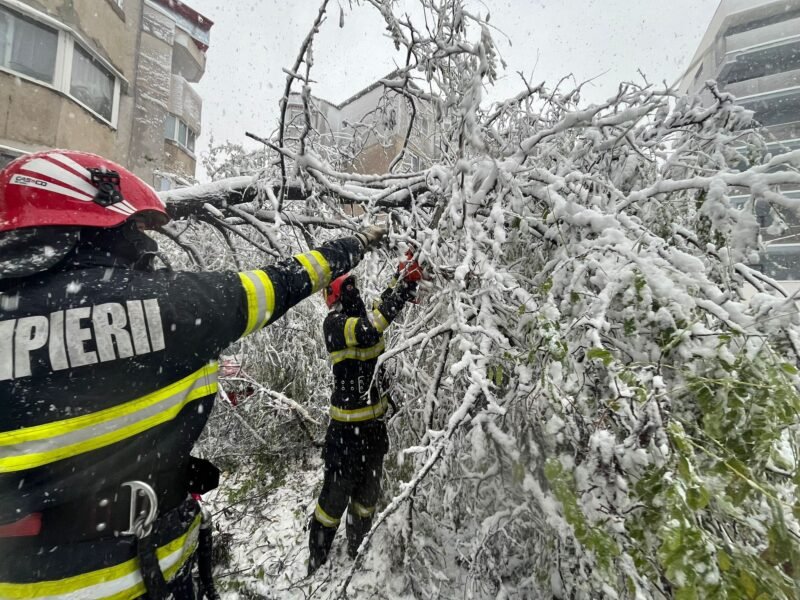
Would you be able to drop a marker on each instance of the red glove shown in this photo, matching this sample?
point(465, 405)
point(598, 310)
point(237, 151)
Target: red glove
point(409, 270)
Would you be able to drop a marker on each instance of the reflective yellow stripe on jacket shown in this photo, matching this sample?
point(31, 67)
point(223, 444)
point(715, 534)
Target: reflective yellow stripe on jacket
point(120, 582)
point(350, 332)
point(358, 353)
point(355, 415)
point(44, 444)
point(260, 299)
point(379, 322)
point(318, 269)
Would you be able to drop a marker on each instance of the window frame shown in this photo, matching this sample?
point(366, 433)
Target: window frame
point(115, 90)
point(12, 153)
point(65, 48)
point(175, 138)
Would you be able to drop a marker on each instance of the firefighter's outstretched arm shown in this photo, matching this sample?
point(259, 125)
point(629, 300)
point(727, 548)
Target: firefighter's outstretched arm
point(273, 290)
point(206, 312)
point(351, 332)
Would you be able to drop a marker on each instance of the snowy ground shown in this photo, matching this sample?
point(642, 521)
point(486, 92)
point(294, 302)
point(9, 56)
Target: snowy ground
point(268, 548)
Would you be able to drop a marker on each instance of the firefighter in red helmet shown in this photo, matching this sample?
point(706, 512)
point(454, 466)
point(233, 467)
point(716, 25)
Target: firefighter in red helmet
point(356, 440)
point(107, 377)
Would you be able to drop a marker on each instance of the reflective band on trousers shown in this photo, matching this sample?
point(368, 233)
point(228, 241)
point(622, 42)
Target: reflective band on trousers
point(355, 415)
point(120, 582)
point(350, 332)
point(260, 299)
point(358, 353)
point(324, 518)
point(43, 444)
point(318, 269)
point(361, 510)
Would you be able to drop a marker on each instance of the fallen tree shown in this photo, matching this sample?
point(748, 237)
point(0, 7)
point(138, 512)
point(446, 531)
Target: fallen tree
point(600, 388)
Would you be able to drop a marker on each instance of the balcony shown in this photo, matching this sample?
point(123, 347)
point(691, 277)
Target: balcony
point(763, 36)
point(787, 133)
point(764, 85)
point(188, 60)
point(191, 39)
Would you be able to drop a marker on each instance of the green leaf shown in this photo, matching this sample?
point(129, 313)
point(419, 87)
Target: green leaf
point(686, 593)
point(629, 327)
point(518, 472)
point(498, 375)
point(748, 584)
point(788, 368)
point(724, 561)
point(684, 469)
point(600, 353)
point(697, 497)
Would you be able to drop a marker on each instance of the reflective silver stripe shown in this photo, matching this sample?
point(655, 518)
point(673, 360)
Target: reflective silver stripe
point(350, 332)
point(367, 413)
point(119, 581)
point(361, 510)
point(318, 269)
point(31, 447)
point(358, 353)
point(325, 518)
point(260, 299)
point(379, 321)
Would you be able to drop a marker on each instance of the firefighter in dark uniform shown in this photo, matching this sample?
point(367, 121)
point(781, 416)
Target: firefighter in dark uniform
point(108, 375)
point(356, 440)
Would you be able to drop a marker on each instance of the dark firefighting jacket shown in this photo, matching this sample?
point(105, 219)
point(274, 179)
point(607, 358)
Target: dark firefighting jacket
point(359, 397)
point(108, 376)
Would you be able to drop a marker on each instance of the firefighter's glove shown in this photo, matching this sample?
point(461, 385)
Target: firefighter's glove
point(409, 269)
point(370, 236)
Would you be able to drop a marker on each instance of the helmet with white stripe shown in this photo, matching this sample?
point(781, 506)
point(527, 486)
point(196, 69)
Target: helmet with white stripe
point(74, 189)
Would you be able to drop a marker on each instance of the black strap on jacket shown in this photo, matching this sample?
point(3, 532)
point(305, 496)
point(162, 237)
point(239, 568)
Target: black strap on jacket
point(154, 582)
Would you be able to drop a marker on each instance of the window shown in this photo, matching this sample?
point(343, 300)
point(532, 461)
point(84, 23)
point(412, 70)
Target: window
point(27, 47)
point(169, 129)
point(6, 156)
point(782, 262)
point(55, 58)
point(163, 184)
point(178, 131)
point(91, 83)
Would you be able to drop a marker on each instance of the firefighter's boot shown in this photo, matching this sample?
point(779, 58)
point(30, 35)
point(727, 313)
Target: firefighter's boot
point(357, 528)
point(320, 540)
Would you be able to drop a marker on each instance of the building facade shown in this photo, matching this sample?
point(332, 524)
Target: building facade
point(366, 132)
point(752, 50)
point(111, 77)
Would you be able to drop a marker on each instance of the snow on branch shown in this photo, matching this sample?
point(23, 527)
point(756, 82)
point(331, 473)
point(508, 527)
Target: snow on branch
point(599, 389)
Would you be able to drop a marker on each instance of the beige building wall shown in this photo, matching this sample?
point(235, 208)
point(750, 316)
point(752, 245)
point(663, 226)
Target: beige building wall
point(135, 42)
point(372, 124)
point(35, 117)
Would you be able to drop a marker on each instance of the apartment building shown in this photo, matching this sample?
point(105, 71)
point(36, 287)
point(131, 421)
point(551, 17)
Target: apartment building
point(111, 77)
point(365, 132)
point(752, 50)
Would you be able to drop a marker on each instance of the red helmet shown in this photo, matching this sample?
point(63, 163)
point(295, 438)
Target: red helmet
point(75, 189)
point(333, 292)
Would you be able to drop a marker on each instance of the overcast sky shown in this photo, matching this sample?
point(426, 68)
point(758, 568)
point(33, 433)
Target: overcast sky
point(252, 40)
